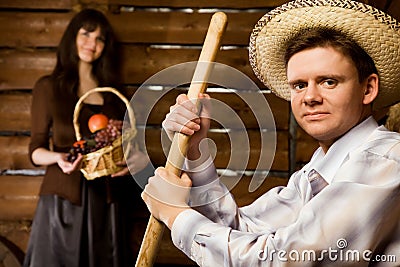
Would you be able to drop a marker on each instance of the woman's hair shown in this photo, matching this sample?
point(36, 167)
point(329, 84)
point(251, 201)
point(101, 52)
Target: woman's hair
point(105, 69)
point(327, 37)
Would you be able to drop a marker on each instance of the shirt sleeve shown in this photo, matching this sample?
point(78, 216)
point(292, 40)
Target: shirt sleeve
point(202, 174)
point(287, 225)
point(41, 119)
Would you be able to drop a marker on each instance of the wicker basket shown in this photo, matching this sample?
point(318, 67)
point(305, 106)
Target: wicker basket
point(102, 162)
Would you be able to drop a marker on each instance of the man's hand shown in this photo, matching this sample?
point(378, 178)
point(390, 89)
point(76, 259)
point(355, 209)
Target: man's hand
point(166, 195)
point(184, 118)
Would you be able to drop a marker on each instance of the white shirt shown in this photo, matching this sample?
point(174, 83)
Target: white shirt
point(353, 221)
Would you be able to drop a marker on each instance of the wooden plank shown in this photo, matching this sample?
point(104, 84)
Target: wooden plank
point(14, 153)
point(93, 2)
point(32, 29)
point(18, 196)
point(30, 64)
point(34, 4)
point(19, 186)
point(306, 145)
point(15, 109)
point(394, 9)
point(198, 3)
point(380, 4)
point(139, 64)
point(14, 150)
point(236, 156)
point(26, 209)
point(142, 62)
point(243, 108)
point(44, 29)
point(226, 4)
point(15, 112)
point(179, 27)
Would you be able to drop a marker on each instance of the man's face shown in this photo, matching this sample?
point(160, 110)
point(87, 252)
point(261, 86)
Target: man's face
point(326, 96)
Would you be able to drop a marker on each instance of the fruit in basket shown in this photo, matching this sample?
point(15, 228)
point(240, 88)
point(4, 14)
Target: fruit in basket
point(97, 140)
point(97, 122)
point(106, 136)
point(77, 148)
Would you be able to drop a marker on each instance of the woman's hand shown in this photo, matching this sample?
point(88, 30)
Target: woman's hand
point(166, 195)
point(137, 161)
point(66, 166)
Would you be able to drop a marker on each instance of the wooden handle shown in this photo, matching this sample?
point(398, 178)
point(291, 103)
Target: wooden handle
point(177, 153)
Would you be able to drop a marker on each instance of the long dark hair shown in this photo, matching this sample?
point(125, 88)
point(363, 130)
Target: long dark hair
point(105, 69)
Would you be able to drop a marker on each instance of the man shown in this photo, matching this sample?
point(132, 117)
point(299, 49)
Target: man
point(343, 207)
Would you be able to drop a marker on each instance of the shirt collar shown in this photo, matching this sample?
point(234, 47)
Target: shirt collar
point(328, 164)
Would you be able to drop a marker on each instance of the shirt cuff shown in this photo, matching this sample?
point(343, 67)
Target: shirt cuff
point(185, 228)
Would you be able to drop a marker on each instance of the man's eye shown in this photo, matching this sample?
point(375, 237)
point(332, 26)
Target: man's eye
point(299, 86)
point(329, 83)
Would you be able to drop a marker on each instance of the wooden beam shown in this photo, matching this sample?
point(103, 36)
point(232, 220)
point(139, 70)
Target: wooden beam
point(15, 109)
point(140, 62)
point(199, 3)
point(14, 150)
point(15, 115)
point(18, 196)
point(394, 9)
point(35, 4)
point(44, 29)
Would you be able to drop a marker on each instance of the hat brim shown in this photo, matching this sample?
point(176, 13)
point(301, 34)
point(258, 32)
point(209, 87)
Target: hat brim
point(375, 31)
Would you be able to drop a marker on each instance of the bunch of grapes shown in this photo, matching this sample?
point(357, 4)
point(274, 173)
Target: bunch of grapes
point(97, 140)
point(79, 147)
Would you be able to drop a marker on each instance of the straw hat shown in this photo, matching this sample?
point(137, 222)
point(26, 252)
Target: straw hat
point(376, 32)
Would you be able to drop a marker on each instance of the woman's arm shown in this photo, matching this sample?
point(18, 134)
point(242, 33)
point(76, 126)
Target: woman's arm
point(43, 156)
point(41, 123)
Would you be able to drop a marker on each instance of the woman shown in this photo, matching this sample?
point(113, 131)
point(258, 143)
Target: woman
point(80, 222)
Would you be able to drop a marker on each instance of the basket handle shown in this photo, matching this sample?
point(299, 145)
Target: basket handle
point(78, 107)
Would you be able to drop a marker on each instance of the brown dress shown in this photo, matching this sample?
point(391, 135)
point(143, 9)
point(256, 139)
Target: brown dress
point(78, 222)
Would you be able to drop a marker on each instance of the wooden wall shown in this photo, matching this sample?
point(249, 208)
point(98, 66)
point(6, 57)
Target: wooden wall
point(154, 35)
